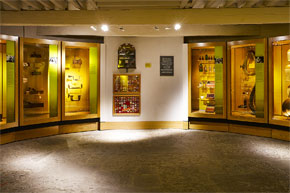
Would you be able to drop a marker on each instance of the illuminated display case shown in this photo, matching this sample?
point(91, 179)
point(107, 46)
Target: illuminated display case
point(207, 79)
point(81, 80)
point(126, 90)
point(279, 80)
point(9, 81)
point(247, 80)
point(39, 81)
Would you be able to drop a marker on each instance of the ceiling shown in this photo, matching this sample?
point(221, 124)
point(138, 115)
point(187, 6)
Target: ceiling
point(45, 5)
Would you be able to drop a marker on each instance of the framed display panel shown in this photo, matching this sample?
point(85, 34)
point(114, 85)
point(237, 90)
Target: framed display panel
point(129, 84)
point(126, 105)
point(80, 80)
point(8, 81)
point(39, 81)
point(279, 80)
point(247, 80)
point(126, 94)
point(207, 80)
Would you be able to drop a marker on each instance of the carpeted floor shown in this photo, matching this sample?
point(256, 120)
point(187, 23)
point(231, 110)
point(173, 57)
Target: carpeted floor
point(167, 160)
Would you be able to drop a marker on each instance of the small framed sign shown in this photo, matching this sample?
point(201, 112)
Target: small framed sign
point(166, 65)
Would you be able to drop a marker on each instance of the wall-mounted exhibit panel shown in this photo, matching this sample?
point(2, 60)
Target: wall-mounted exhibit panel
point(207, 80)
point(8, 81)
point(279, 80)
point(80, 80)
point(39, 81)
point(247, 80)
point(126, 90)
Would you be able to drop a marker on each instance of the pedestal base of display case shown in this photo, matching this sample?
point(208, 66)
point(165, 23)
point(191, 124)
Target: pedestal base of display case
point(81, 127)
point(7, 138)
point(266, 130)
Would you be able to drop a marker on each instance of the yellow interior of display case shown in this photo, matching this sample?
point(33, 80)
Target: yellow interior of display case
point(77, 101)
point(242, 80)
point(203, 73)
point(3, 81)
point(281, 78)
point(35, 81)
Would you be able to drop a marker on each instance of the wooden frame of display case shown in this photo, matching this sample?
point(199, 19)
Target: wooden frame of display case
point(244, 43)
point(39, 41)
point(126, 94)
point(66, 44)
point(206, 46)
point(271, 82)
point(16, 122)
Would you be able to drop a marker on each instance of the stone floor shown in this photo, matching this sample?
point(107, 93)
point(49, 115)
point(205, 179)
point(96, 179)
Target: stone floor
point(167, 160)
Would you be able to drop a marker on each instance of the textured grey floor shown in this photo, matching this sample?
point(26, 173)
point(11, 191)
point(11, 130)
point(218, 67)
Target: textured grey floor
point(166, 160)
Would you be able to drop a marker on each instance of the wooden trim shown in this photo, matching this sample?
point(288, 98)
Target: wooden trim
point(78, 128)
point(250, 130)
point(21, 97)
point(209, 126)
point(282, 135)
point(64, 45)
point(271, 82)
point(142, 125)
point(203, 46)
point(243, 43)
point(35, 133)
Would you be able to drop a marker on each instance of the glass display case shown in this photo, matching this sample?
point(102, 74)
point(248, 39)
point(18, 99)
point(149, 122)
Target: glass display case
point(126, 94)
point(81, 80)
point(247, 77)
point(207, 78)
point(8, 81)
point(279, 80)
point(39, 81)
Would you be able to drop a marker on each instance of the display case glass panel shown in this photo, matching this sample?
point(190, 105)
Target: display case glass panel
point(248, 81)
point(40, 70)
point(126, 90)
point(81, 80)
point(280, 81)
point(8, 81)
point(206, 80)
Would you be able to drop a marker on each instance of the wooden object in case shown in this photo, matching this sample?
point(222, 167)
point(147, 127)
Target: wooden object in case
point(3, 41)
point(279, 84)
point(80, 71)
point(36, 61)
point(236, 57)
point(207, 61)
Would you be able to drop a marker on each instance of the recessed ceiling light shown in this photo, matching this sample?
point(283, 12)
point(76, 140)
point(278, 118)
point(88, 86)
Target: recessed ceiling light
point(177, 26)
point(93, 28)
point(105, 28)
point(167, 28)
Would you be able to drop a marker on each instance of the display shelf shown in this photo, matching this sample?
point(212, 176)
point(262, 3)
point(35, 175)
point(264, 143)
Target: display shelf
point(40, 81)
point(81, 80)
point(206, 80)
point(247, 75)
point(126, 90)
point(279, 80)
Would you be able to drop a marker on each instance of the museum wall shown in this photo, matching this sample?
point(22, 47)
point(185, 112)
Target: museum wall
point(163, 98)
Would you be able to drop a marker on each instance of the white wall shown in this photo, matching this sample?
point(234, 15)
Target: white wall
point(162, 98)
